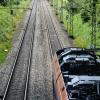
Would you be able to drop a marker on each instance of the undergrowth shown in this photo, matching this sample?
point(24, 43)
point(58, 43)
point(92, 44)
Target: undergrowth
point(8, 25)
point(81, 30)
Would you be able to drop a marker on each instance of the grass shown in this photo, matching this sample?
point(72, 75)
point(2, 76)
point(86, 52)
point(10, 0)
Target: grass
point(8, 24)
point(82, 31)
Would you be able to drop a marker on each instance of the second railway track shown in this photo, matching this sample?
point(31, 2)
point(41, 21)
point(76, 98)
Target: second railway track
point(54, 42)
point(17, 84)
point(53, 39)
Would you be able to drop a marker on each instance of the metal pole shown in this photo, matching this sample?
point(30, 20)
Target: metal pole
point(71, 18)
point(93, 36)
point(57, 8)
point(61, 15)
point(67, 17)
point(62, 11)
point(11, 12)
point(67, 22)
point(72, 25)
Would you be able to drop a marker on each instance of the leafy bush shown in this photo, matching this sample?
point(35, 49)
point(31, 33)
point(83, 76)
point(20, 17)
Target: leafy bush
point(8, 24)
point(3, 2)
point(85, 16)
point(82, 20)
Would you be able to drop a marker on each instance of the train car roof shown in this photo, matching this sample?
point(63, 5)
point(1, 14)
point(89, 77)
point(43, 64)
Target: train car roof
point(75, 50)
point(85, 80)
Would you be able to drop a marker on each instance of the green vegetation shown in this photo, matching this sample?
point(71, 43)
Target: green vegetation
point(9, 19)
point(82, 19)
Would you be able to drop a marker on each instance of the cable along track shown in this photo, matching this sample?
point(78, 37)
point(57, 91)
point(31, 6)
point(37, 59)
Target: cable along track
point(16, 88)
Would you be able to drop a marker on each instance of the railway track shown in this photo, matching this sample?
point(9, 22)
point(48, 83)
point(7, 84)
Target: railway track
point(53, 39)
point(54, 42)
point(16, 88)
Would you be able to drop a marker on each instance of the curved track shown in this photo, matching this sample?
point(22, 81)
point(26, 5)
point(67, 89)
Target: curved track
point(17, 85)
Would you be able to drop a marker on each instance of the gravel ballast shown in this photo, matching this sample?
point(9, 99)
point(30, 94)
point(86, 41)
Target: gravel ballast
point(40, 83)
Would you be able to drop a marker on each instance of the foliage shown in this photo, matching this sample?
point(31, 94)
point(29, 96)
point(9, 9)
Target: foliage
point(7, 2)
point(8, 24)
point(3, 2)
point(82, 20)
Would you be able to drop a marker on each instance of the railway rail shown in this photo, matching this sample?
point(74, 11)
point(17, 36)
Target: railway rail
point(16, 88)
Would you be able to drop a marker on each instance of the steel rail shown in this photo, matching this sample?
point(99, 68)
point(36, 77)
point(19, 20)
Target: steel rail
point(30, 60)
